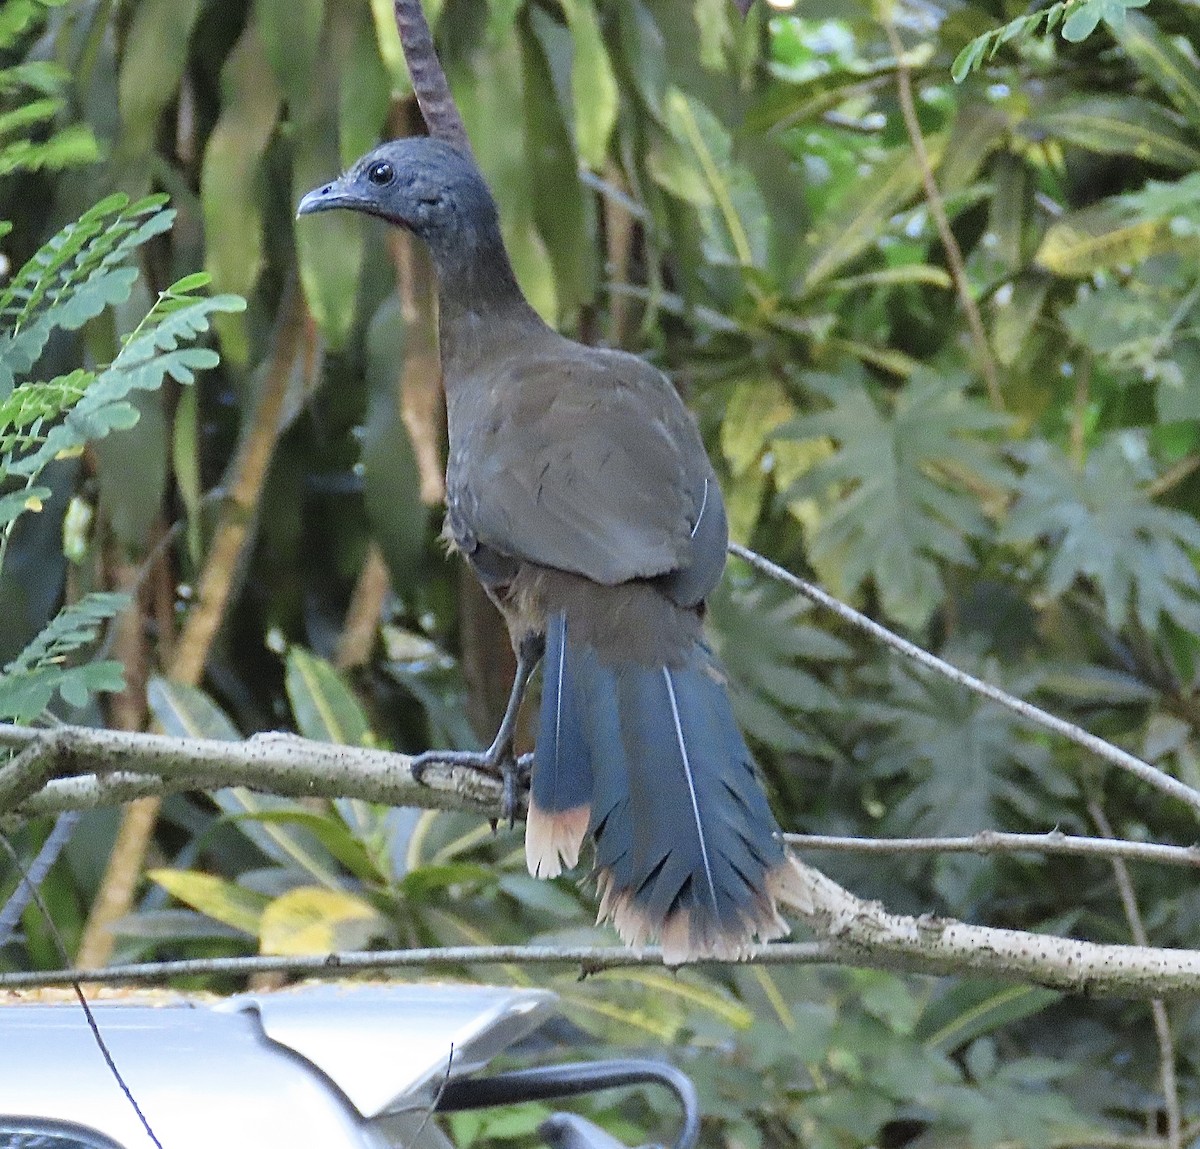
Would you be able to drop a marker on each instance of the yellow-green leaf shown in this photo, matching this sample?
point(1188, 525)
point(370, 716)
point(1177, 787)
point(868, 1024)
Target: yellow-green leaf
point(221, 900)
point(754, 410)
point(312, 920)
point(1076, 248)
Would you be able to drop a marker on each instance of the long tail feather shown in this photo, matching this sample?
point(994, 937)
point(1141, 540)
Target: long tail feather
point(561, 784)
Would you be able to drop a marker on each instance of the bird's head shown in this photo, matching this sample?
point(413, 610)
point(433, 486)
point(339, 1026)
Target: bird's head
point(425, 185)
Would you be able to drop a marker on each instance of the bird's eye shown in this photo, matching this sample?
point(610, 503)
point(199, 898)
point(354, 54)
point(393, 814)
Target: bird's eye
point(380, 173)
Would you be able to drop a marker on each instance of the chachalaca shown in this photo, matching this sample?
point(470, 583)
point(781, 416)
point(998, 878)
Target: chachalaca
point(580, 492)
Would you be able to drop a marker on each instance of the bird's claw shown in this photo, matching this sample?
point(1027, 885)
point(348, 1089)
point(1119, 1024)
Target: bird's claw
point(498, 762)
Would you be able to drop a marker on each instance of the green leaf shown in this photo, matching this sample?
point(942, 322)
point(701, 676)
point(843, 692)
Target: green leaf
point(331, 832)
point(772, 654)
point(75, 626)
point(152, 353)
point(1082, 21)
point(323, 705)
point(566, 219)
point(329, 249)
point(1162, 61)
point(1117, 126)
point(291, 38)
point(894, 508)
point(314, 920)
point(1098, 525)
point(696, 163)
point(970, 1009)
point(858, 219)
point(188, 712)
point(231, 179)
point(153, 57)
point(1101, 237)
point(593, 85)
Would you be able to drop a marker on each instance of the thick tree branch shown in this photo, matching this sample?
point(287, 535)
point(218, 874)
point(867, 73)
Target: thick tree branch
point(1114, 755)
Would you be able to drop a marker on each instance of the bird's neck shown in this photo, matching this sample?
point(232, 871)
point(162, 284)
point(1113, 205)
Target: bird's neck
point(481, 309)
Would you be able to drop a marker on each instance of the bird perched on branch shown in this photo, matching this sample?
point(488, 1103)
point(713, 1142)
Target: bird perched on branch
point(580, 492)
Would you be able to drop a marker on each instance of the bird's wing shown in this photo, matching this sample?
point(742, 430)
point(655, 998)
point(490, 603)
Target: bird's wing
point(587, 461)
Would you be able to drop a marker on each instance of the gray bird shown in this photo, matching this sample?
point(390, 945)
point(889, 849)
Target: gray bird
point(580, 492)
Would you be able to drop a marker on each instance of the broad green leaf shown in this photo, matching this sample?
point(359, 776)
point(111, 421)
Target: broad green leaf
point(225, 901)
point(1098, 238)
point(1014, 316)
point(391, 51)
point(188, 712)
point(323, 705)
point(364, 89)
point(329, 247)
point(290, 32)
point(754, 410)
point(894, 510)
point(593, 85)
point(1118, 125)
point(565, 218)
point(971, 1008)
point(489, 92)
point(332, 833)
point(1098, 524)
point(1162, 61)
point(153, 57)
point(696, 163)
point(398, 519)
point(231, 178)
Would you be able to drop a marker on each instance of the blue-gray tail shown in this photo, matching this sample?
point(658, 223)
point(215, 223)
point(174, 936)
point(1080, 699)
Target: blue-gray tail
point(650, 761)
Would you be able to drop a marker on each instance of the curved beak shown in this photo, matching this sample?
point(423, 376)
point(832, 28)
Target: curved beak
point(326, 198)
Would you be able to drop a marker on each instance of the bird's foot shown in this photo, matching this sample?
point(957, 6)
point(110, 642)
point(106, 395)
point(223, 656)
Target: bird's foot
point(497, 761)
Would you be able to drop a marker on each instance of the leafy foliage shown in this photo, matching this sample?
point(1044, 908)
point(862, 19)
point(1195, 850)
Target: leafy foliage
point(1078, 18)
point(1098, 523)
point(900, 505)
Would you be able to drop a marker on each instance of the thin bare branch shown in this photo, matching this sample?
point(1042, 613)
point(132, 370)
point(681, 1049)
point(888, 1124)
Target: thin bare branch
point(1114, 755)
point(1158, 1009)
point(997, 842)
point(937, 209)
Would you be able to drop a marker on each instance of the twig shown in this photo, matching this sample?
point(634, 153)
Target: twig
point(39, 869)
point(1112, 754)
point(937, 209)
point(997, 842)
point(1060, 963)
point(74, 981)
point(429, 81)
point(1158, 1010)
